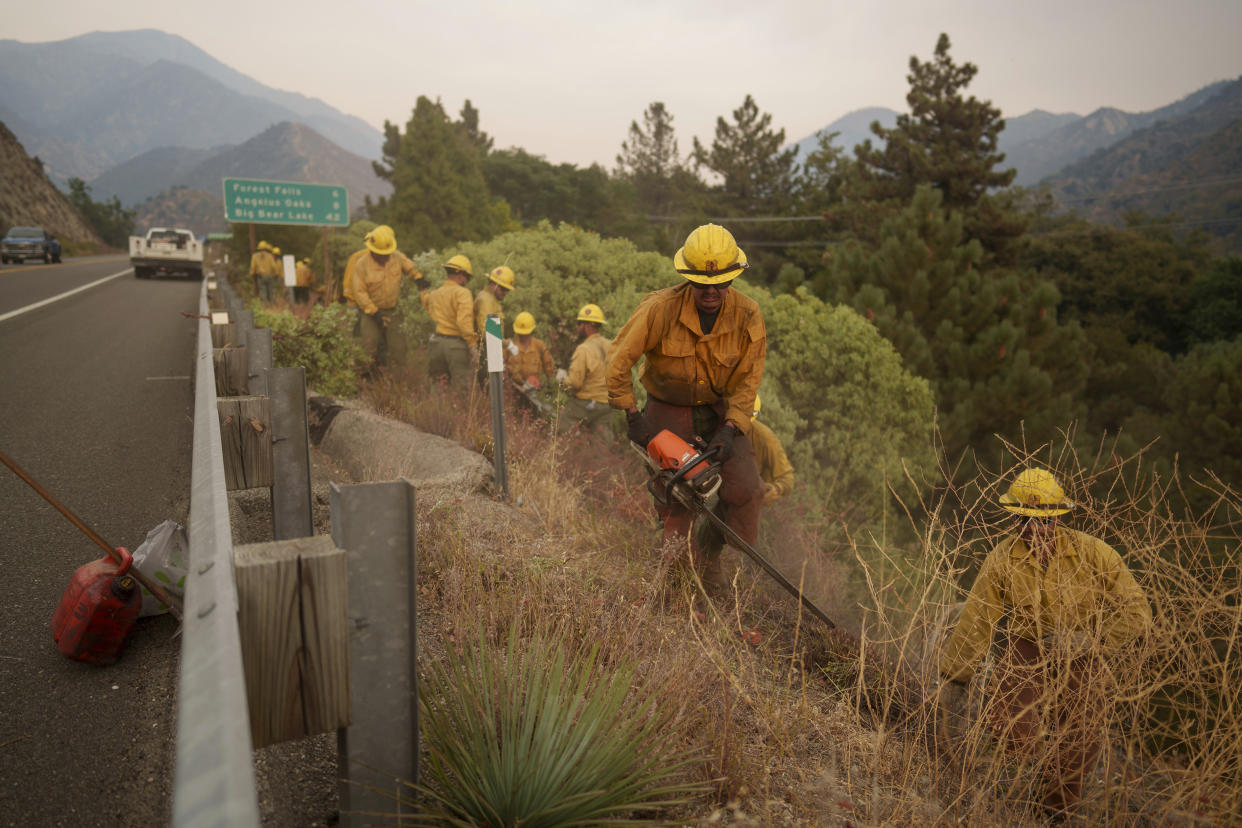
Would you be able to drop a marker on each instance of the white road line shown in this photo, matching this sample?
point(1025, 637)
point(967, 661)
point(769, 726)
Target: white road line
point(64, 295)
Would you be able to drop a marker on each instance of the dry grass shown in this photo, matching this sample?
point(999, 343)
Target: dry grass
point(811, 728)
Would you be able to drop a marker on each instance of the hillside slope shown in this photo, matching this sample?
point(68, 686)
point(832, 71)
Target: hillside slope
point(86, 104)
point(28, 197)
point(1041, 156)
point(1189, 166)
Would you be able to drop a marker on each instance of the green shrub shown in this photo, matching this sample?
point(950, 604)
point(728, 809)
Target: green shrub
point(323, 344)
point(534, 736)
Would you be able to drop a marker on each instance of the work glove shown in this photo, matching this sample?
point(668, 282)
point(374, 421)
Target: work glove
point(723, 441)
point(561, 375)
point(637, 428)
point(511, 347)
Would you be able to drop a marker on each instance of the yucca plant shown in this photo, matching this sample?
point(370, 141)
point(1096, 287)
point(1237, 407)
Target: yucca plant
point(539, 735)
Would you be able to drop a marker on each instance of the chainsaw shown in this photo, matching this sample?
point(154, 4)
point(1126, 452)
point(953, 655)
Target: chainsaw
point(689, 476)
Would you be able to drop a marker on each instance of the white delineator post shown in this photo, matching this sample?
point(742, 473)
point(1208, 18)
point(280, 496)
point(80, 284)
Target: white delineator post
point(495, 378)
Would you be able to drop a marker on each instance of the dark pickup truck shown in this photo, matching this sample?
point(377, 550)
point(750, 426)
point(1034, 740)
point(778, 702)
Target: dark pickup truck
point(22, 243)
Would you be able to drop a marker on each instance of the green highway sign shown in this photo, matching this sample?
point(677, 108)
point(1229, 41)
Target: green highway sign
point(285, 202)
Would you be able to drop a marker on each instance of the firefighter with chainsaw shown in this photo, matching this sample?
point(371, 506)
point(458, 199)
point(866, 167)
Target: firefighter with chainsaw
point(377, 287)
point(1066, 604)
point(704, 346)
point(528, 362)
point(454, 345)
point(584, 382)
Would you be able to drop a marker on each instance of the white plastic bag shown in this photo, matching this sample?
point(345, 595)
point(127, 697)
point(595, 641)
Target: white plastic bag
point(162, 557)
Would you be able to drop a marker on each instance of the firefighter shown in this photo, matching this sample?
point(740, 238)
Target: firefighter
point(454, 345)
point(377, 287)
point(1065, 601)
point(588, 391)
point(705, 347)
point(528, 362)
point(263, 270)
point(488, 299)
point(305, 280)
point(775, 470)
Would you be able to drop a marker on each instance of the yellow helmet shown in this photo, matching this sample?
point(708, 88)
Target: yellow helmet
point(275, 251)
point(1036, 493)
point(264, 246)
point(758, 405)
point(591, 313)
point(460, 264)
point(381, 241)
point(524, 324)
point(710, 256)
point(502, 276)
point(305, 261)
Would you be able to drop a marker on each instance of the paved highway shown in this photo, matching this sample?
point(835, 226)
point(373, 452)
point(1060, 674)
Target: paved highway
point(95, 402)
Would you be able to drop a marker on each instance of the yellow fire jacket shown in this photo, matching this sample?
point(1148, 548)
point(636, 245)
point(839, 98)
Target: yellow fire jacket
point(378, 286)
point(684, 366)
point(534, 360)
point(347, 281)
point(305, 277)
point(586, 369)
point(451, 308)
point(1085, 588)
point(263, 263)
point(774, 466)
point(484, 303)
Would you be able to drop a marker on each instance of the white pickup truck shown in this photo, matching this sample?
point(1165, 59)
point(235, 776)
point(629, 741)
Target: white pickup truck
point(166, 251)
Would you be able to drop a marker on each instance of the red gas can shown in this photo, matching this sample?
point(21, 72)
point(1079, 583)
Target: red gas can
point(98, 610)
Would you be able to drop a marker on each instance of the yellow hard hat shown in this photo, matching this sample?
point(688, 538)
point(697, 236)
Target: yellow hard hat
point(264, 246)
point(275, 251)
point(459, 263)
point(1036, 493)
point(524, 324)
point(758, 405)
point(710, 256)
point(591, 313)
point(305, 261)
point(381, 241)
point(502, 276)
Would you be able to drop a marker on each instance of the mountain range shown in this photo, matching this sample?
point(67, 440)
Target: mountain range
point(86, 104)
point(1038, 143)
point(283, 152)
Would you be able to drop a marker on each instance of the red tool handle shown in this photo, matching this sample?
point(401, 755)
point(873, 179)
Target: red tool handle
point(125, 559)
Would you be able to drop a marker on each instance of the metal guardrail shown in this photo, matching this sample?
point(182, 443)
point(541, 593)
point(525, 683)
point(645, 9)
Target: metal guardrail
point(214, 778)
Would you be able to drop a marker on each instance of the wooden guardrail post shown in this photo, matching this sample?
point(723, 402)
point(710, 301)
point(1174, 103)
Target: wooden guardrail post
point(232, 371)
point(378, 752)
point(246, 441)
point(259, 350)
point(292, 615)
point(291, 477)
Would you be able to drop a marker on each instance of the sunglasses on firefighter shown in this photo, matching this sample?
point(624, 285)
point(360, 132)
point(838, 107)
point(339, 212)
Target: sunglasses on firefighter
point(722, 287)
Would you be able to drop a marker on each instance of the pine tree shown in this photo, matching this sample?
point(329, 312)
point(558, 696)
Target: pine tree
point(440, 196)
point(987, 339)
point(650, 161)
point(947, 141)
point(757, 176)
